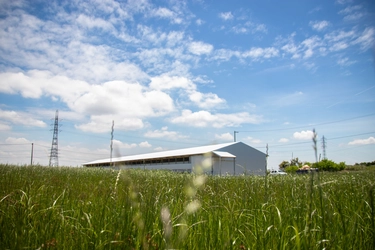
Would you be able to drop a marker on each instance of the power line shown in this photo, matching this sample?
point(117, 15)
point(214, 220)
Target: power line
point(334, 138)
point(310, 125)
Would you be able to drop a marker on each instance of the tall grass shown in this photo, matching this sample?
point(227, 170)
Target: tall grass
point(71, 208)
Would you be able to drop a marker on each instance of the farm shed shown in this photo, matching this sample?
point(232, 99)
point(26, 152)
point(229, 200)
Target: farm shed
point(229, 158)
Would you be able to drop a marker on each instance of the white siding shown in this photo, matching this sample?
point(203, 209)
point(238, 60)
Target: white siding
point(223, 166)
point(248, 160)
point(229, 159)
point(174, 166)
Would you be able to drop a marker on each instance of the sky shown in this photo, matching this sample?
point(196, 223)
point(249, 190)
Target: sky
point(176, 74)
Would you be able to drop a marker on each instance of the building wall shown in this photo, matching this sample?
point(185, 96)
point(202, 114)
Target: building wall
point(223, 166)
point(183, 167)
point(248, 160)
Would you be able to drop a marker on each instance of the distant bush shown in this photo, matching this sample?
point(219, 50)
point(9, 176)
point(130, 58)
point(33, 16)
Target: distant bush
point(291, 169)
point(328, 165)
point(367, 164)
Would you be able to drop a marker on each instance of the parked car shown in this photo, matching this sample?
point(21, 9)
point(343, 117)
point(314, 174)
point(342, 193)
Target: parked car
point(277, 172)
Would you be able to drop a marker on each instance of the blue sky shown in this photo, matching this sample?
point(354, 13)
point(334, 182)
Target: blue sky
point(175, 74)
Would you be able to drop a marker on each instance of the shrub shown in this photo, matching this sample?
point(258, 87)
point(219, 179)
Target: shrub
point(329, 165)
point(291, 169)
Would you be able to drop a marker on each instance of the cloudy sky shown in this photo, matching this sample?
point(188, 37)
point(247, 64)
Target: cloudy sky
point(173, 74)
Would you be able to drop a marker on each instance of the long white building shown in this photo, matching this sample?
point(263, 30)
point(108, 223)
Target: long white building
point(222, 159)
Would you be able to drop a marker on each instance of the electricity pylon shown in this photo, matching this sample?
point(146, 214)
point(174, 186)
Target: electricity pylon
point(324, 145)
point(54, 157)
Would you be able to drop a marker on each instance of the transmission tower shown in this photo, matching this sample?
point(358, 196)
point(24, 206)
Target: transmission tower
point(324, 145)
point(111, 146)
point(53, 157)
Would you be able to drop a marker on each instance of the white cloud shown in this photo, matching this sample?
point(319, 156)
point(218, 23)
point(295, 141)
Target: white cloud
point(200, 48)
point(370, 140)
point(354, 16)
point(199, 22)
point(239, 30)
point(283, 140)
point(339, 46)
point(336, 36)
point(248, 27)
point(350, 9)
point(103, 123)
point(202, 79)
point(119, 144)
point(128, 103)
point(92, 22)
point(310, 44)
point(203, 100)
point(206, 119)
point(35, 84)
point(163, 12)
point(4, 127)
point(206, 101)
point(303, 135)
point(164, 133)
point(261, 28)
point(319, 25)
point(145, 144)
point(344, 1)
point(292, 49)
point(30, 47)
point(366, 39)
point(345, 62)
point(166, 82)
point(252, 140)
point(260, 53)
point(226, 15)
point(21, 118)
point(124, 102)
point(13, 140)
point(225, 54)
point(352, 13)
point(17, 151)
point(158, 149)
point(254, 53)
point(166, 13)
point(224, 137)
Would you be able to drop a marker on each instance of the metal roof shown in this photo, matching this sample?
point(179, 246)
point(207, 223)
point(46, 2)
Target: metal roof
point(172, 153)
point(224, 154)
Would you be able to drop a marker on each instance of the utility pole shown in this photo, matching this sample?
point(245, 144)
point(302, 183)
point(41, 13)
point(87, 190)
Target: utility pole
point(111, 146)
point(53, 157)
point(32, 154)
point(324, 145)
point(266, 158)
point(234, 133)
point(265, 178)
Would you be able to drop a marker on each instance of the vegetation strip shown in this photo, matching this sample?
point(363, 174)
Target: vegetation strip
point(78, 208)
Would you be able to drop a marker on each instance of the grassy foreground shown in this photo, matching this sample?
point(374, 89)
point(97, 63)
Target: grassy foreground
point(72, 208)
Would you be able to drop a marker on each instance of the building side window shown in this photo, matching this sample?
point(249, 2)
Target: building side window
point(169, 160)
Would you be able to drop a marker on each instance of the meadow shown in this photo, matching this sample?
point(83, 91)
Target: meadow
point(80, 208)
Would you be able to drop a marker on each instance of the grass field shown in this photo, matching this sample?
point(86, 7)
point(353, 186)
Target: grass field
point(76, 208)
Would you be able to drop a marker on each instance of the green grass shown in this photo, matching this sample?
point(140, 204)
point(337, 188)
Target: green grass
point(75, 208)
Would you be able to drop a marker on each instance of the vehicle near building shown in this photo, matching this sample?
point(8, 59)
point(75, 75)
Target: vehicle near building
point(277, 172)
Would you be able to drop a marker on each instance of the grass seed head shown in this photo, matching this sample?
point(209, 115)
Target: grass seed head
point(167, 223)
point(193, 207)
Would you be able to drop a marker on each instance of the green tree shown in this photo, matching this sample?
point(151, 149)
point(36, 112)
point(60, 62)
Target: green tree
point(291, 169)
point(295, 162)
point(329, 165)
point(284, 164)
